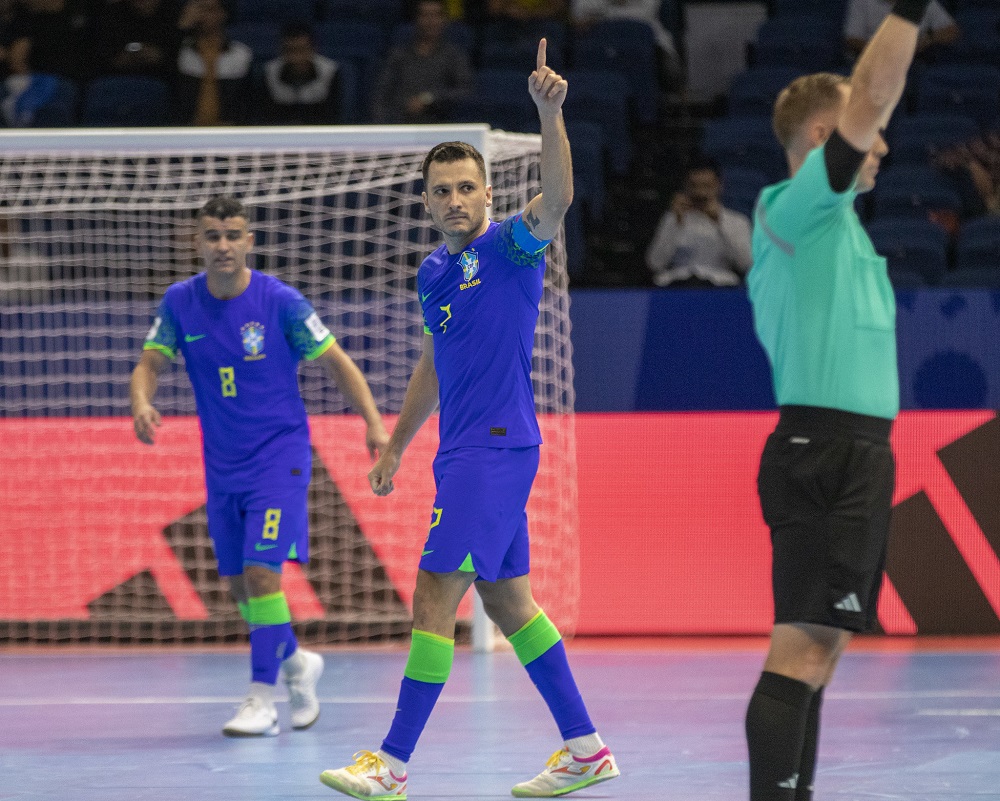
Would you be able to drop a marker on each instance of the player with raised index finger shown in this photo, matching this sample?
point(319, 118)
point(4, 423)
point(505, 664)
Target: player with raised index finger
point(479, 293)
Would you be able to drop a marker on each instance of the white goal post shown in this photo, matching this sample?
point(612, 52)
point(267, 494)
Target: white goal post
point(94, 225)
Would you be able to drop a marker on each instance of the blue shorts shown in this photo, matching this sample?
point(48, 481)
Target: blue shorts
point(265, 527)
point(478, 522)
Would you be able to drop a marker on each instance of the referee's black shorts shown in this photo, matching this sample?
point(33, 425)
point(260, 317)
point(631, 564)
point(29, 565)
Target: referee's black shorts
point(826, 483)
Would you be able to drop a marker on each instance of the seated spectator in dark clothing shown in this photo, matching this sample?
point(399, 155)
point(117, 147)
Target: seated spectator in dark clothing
point(136, 37)
point(47, 42)
point(49, 36)
point(423, 78)
point(213, 72)
point(300, 87)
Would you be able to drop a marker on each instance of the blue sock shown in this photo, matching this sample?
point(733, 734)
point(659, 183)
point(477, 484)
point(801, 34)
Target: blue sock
point(551, 674)
point(416, 701)
point(269, 647)
point(540, 648)
point(426, 672)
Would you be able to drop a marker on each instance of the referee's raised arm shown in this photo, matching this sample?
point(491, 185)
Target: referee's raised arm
point(548, 90)
point(880, 75)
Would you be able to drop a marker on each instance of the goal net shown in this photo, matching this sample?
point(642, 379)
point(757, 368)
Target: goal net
point(105, 538)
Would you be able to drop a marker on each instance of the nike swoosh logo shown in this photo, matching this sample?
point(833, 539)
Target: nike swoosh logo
point(423, 298)
point(262, 547)
point(427, 552)
point(194, 337)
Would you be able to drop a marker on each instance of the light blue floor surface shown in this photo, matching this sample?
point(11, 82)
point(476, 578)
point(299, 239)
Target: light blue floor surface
point(144, 726)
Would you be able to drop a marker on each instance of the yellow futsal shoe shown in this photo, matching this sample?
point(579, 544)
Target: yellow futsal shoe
point(368, 777)
point(565, 773)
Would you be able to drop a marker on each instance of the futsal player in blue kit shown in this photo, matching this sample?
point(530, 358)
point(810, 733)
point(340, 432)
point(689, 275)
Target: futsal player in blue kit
point(479, 293)
point(242, 334)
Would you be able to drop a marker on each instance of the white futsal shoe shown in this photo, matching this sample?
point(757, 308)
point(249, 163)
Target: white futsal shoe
point(255, 718)
point(302, 676)
point(565, 773)
point(368, 777)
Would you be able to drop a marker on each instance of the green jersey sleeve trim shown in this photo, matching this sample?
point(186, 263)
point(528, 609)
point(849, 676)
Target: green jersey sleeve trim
point(320, 349)
point(168, 352)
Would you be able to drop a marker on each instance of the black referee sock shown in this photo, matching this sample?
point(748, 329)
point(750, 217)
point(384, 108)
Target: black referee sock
point(810, 745)
point(776, 729)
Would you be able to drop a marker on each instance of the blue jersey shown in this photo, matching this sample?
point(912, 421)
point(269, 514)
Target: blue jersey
point(242, 357)
point(481, 306)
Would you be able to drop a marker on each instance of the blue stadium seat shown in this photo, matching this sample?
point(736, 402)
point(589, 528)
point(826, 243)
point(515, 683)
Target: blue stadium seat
point(263, 38)
point(386, 13)
point(587, 143)
point(123, 101)
point(805, 41)
point(911, 245)
point(629, 47)
point(902, 278)
point(968, 89)
point(754, 91)
point(603, 98)
point(979, 245)
point(276, 11)
point(913, 191)
point(501, 99)
point(361, 43)
point(519, 55)
point(741, 187)
point(745, 142)
point(62, 109)
point(672, 17)
point(986, 277)
point(913, 140)
point(833, 10)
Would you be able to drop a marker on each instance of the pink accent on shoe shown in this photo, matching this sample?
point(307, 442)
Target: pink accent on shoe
point(602, 753)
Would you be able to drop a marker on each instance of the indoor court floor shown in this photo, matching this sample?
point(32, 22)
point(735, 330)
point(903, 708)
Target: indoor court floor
point(900, 722)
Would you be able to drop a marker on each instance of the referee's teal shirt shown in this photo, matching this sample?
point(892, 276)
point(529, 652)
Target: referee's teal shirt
point(822, 302)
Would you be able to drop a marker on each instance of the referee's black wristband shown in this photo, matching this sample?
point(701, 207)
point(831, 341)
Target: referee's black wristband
point(912, 10)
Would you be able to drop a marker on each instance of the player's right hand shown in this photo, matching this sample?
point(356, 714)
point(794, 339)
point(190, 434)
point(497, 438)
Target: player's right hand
point(380, 476)
point(146, 420)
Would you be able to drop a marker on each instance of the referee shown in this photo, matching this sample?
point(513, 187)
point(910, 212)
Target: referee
point(825, 313)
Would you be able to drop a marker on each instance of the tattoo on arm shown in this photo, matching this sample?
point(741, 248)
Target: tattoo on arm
point(532, 220)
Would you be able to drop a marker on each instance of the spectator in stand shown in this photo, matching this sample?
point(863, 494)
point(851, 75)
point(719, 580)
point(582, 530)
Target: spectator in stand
point(213, 72)
point(46, 41)
point(937, 28)
point(424, 77)
point(699, 242)
point(136, 37)
point(299, 87)
point(975, 166)
point(588, 12)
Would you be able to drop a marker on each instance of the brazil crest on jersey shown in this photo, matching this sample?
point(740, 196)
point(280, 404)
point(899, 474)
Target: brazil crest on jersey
point(242, 357)
point(481, 307)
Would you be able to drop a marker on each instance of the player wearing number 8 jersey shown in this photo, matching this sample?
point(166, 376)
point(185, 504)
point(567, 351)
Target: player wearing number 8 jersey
point(479, 293)
point(242, 335)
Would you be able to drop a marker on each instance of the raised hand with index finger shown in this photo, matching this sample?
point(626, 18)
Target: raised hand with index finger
point(546, 87)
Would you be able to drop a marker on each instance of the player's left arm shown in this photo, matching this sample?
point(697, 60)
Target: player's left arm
point(545, 211)
point(353, 386)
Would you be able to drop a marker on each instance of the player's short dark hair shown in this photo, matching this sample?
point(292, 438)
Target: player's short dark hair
point(222, 208)
point(447, 152)
point(296, 29)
